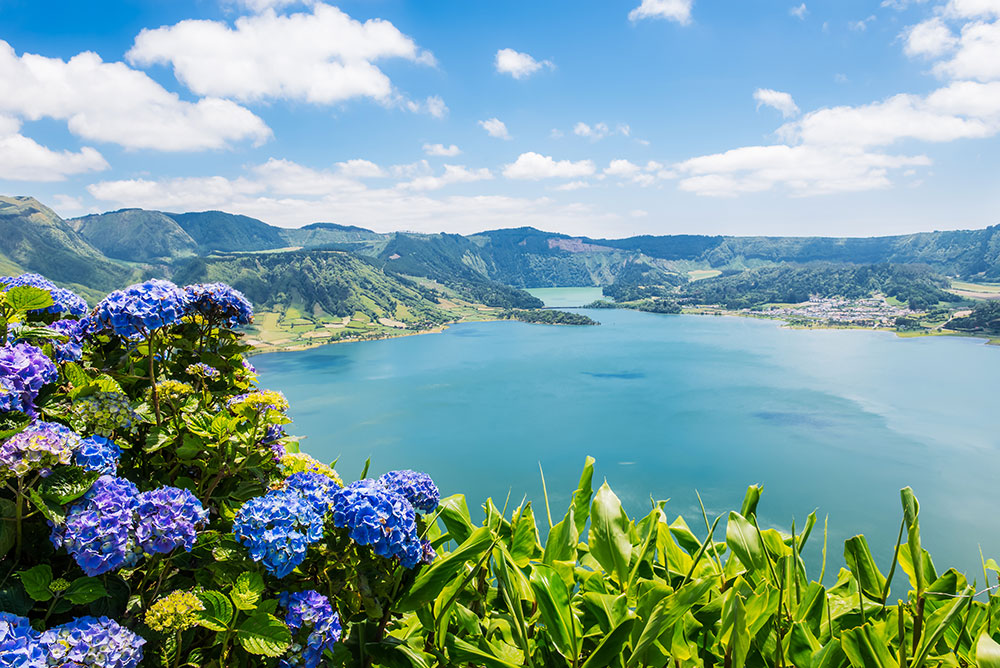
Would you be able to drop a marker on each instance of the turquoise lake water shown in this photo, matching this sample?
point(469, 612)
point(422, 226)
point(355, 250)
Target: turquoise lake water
point(832, 421)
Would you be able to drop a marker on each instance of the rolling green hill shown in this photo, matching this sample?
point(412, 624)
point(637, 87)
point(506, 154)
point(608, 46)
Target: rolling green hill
point(136, 235)
point(220, 231)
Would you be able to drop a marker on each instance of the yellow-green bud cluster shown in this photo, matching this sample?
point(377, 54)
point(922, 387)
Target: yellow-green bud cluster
point(299, 462)
point(177, 611)
point(173, 390)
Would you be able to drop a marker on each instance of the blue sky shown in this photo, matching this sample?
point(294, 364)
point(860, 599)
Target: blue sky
point(602, 118)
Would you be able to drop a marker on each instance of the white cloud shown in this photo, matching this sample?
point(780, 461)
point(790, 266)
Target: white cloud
point(322, 57)
point(534, 166)
point(622, 168)
point(360, 169)
point(495, 128)
point(600, 130)
point(433, 105)
point(799, 11)
point(968, 9)
point(519, 65)
point(900, 5)
point(776, 99)
point(452, 174)
point(412, 170)
point(572, 185)
point(441, 150)
point(977, 54)
point(930, 38)
point(110, 102)
point(674, 10)
point(24, 159)
point(261, 5)
point(861, 25)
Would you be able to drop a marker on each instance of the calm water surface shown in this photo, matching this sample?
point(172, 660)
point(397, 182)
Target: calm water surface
point(833, 421)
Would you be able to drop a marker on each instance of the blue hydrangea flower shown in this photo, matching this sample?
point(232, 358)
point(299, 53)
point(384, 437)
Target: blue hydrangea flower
point(374, 516)
point(26, 370)
point(202, 370)
point(415, 487)
point(272, 440)
point(220, 304)
point(309, 611)
point(64, 301)
point(98, 453)
point(92, 641)
point(140, 309)
point(98, 532)
point(168, 518)
point(428, 555)
point(19, 646)
point(38, 448)
point(277, 528)
point(10, 398)
point(315, 488)
point(71, 350)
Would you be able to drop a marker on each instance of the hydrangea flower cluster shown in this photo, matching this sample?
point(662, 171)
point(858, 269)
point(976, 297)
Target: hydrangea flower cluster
point(142, 308)
point(98, 529)
point(202, 370)
point(297, 462)
point(315, 488)
point(72, 349)
point(64, 301)
point(98, 453)
point(92, 641)
point(114, 524)
point(10, 398)
point(38, 448)
point(168, 518)
point(219, 303)
point(309, 611)
point(173, 391)
point(374, 516)
point(19, 646)
point(415, 487)
point(26, 370)
point(104, 412)
point(261, 402)
point(277, 528)
point(177, 611)
point(272, 439)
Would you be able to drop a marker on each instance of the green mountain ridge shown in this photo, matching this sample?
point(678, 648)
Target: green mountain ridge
point(136, 235)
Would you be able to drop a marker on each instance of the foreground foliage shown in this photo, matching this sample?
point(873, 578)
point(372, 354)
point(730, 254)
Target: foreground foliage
point(155, 513)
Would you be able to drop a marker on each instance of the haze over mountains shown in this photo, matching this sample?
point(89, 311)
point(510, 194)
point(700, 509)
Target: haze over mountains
point(323, 263)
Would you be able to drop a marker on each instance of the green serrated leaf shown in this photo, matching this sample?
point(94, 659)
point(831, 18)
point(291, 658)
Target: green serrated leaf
point(52, 511)
point(218, 612)
point(28, 298)
point(84, 591)
point(247, 590)
point(36, 582)
point(66, 484)
point(264, 635)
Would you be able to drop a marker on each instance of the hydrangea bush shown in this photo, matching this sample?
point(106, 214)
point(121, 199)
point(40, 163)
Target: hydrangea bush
point(155, 511)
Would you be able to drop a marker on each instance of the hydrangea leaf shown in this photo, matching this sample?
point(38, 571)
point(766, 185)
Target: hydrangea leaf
point(247, 590)
point(84, 591)
point(218, 612)
point(264, 634)
point(28, 298)
point(36, 582)
point(66, 484)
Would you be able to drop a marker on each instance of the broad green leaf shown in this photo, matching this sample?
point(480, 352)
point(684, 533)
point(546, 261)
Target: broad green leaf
point(937, 624)
point(859, 559)
point(264, 635)
point(750, 501)
point(465, 653)
point(524, 540)
point(75, 375)
point(987, 652)
point(611, 646)
point(667, 612)
point(454, 513)
point(743, 539)
point(866, 647)
point(800, 644)
point(36, 582)
point(84, 591)
point(218, 612)
point(431, 581)
point(735, 636)
point(27, 298)
point(555, 610)
point(67, 484)
point(247, 590)
point(608, 538)
point(581, 497)
point(562, 540)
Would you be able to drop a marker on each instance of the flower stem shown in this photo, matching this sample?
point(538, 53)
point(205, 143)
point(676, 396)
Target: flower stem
point(151, 349)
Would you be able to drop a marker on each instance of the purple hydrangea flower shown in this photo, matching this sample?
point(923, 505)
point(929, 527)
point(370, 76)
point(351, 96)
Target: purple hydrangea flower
point(220, 304)
point(98, 453)
point(98, 532)
point(71, 350)
point(415, 487)
point(38, 448)
point(272, 439)
point(10, 398)
point(26, 370)
point(19, 646)
point(309, 611)
point(202, 370)
point(64, 301)
point(374, 516)
point(428, 555)
point(277, 528)
point(168, 518)
point(92, 641)
point(140, 309)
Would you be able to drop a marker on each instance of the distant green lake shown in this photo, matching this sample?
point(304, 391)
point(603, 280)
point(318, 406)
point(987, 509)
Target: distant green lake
point(834, 421)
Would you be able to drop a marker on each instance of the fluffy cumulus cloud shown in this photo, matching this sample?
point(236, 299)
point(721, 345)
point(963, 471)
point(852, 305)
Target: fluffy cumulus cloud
point(776, 99)
point(440, 150)
point(673, 10)
point(322, 56)
point(599, 131)
point(495, 128)
point(519, 65)
point(931, 38)
point(24, 159)
point(360, 168)
point(452, 174)
point(111, 102)
point(534, 166)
